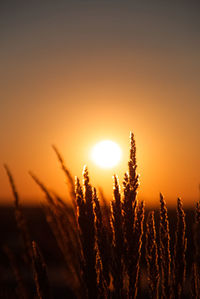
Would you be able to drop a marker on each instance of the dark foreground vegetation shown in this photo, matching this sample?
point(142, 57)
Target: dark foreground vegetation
point(95, 249)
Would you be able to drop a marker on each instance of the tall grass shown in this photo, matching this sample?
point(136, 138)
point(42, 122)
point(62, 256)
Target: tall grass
point(165, 252)
point(179, 263)
point(102, 243)
point(152, 256)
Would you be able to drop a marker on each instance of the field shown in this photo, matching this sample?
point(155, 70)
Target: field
point(91, 248)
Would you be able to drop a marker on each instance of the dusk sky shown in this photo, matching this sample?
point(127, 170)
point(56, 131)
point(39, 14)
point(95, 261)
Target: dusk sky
point(77, 72)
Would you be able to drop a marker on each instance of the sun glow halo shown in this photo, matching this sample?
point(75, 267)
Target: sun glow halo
point(106, 154)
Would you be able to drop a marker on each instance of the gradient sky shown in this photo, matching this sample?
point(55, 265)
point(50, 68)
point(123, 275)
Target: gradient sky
point(74, 73)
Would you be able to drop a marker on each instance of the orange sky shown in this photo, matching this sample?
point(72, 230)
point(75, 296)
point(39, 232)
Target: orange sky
point(74, 74)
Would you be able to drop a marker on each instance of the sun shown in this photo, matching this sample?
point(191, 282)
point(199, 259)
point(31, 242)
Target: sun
point(106, 154)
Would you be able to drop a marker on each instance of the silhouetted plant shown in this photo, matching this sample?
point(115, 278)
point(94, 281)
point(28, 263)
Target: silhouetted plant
point(101, 242)
point(152, 256)
point(179, 264)
point(165, 254)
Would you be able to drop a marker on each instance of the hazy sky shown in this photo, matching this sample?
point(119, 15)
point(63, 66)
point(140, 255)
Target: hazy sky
point(73, 73)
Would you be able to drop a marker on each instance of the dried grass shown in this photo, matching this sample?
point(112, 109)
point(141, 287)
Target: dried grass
point(151, 255)
point(101, 242)
point(179, 263)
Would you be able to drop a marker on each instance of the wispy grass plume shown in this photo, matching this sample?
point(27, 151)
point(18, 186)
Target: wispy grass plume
point(165, 254)
point(130, 220)
point(118, 240)
point(20, 219)
point(68, 175)
point(40, 274)
point(62, 226)
point(138, 233)
point(103, 243)
point(152, 256)
point(21, 289)
point(130, 185)
point(86, 218)
point(179, 263)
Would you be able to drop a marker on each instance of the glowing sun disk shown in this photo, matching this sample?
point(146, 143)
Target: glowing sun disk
point(106, 154)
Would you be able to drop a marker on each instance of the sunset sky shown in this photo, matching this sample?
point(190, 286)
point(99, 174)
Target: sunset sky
point(74, 73)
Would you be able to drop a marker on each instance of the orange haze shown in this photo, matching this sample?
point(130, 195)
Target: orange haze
point(74, 74)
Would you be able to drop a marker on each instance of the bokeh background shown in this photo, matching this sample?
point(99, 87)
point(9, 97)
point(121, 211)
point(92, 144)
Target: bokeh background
point(76, 72)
